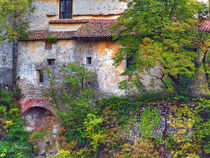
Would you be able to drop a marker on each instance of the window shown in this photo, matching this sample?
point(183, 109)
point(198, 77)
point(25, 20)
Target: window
point(40, 76)
point(50, 61)
point(65, 9)
point(48, 45)
point(129, 61)
point(89, 60)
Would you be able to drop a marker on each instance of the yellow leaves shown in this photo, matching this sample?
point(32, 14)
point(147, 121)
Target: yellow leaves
point(141, 148)
point(3, 154)
point(190, 123)
point(8, 124)
point(183, 120)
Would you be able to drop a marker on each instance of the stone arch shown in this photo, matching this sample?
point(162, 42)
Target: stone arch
point(35, 116)
point(25, 105)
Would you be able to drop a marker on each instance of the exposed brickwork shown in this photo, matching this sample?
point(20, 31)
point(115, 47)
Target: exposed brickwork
point(33, 103)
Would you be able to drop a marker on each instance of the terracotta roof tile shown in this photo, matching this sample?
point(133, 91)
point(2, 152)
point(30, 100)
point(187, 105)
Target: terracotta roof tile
point(43, 34)
point(205, 26)
point(95, 29)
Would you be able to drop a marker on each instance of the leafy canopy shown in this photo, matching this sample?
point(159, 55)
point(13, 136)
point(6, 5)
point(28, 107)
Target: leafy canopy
point(72, 96)
point(11, 25)
point(159, 33)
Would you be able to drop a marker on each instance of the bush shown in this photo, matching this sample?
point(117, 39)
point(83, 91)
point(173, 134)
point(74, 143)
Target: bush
point(14, 139)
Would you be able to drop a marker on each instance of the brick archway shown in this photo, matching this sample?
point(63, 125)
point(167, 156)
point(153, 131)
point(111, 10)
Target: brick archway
point(36, 117)
point(42, 103)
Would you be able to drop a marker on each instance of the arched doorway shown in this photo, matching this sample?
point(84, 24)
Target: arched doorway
point(34, 117)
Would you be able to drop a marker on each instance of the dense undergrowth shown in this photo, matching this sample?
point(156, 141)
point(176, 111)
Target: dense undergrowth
point(13, 138)
point(93, 127)
point(90, 126)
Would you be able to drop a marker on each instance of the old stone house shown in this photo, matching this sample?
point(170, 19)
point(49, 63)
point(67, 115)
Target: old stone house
point(82, 30)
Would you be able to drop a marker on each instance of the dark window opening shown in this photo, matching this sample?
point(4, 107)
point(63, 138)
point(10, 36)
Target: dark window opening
point(194, 49)
point(65, 9)
point(48, 45)
point(130, 61)
point(89, 60)
point(50, 61)
point(41, 76)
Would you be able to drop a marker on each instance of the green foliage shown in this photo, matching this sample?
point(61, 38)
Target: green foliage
point(37, 134)
point(158, 32)
point(192, 136)
point(122, 106)
point(14, 139)
point(11, 25)
point(90, 128)
point(61, 154)
point(51, 38)
point(72, 96)
point(6, 98)
point(149, 120)
point(141, 148)
point(93, 131)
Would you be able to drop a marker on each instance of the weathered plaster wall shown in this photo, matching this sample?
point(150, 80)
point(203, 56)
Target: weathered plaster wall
point(64, 27)
point(6, 63)
point(98, 7)
point(46, 10)
point(32, 56)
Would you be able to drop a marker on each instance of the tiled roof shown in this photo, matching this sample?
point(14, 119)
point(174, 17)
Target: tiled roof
point(93, 28)
point(205, 26)
point(43, 34)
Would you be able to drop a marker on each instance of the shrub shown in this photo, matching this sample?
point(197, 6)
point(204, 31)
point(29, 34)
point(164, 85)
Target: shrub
point(14, 139)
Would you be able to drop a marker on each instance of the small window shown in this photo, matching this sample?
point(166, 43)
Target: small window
point(89, 60)
point(130, 61)
point(48, 45)
point(50, 61)
point(65, 9)
point(40, 76)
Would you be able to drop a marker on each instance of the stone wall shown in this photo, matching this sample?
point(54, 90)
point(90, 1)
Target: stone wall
point(34, 55)
point(6, 63)
point(46, 10)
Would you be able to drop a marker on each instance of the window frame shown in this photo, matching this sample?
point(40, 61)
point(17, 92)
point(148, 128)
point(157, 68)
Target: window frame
point(86, 60)
point(48, 45)
point(50, 62)
point(61, 13)
point(40, 79)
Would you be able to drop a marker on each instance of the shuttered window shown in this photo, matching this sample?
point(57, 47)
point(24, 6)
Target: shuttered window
point(65, 9)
